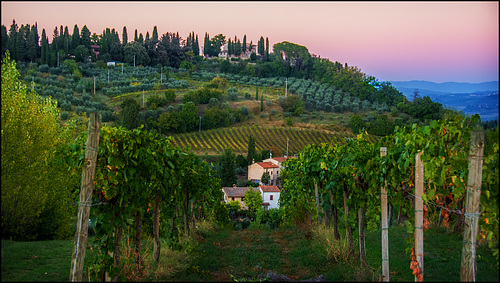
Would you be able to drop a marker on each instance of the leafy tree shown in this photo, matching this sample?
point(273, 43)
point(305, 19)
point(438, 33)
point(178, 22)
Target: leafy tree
point(219, 83)
point(189, 117)
point(232, 93)
point(241, 161)
point(293, 104)
point(130, 113)
point(250, 149)
point(265, 179)
point(139, 51)
point(356, 124)
point(227, 167)
point(169, 95)
point(253, 199)
point(169, 122)
point(81, 53)
point(381, 126)
point(35, 188)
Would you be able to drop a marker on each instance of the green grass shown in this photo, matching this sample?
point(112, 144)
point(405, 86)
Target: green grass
point(217, 254)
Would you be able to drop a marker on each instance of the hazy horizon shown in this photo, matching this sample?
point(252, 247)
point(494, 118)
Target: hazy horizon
point(392, 41)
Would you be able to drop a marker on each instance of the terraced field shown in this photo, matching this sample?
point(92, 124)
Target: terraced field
point(216, 140)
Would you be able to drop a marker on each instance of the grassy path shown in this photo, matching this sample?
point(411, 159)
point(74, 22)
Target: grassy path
point(248, 254)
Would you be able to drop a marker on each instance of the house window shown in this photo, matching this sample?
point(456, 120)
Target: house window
point(233, 198)
point(271, 197)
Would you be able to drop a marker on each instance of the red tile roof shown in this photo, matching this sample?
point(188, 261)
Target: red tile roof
point(270, 189)
point(267, 165)
point(280, 159)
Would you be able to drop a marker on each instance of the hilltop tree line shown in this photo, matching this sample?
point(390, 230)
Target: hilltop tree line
point(350, 89)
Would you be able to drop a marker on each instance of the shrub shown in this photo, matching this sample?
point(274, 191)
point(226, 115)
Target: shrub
point(243, 110)
point(64, 115)
point(169, 95)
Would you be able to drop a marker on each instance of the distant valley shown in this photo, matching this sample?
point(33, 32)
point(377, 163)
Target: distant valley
point(471, 98)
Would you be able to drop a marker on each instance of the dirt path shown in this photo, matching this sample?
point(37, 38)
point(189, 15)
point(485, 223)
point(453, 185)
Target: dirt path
point(250, 255)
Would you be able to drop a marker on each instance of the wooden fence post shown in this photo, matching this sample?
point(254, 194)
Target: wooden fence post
point(385, 227)
point(80, 240)
point(419, 216)
point(468, 262)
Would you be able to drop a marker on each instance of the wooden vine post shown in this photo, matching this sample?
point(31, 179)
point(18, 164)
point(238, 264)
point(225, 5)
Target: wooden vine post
point(468, 262)
point(80, 240)
point(385, 227)
point(419, 217)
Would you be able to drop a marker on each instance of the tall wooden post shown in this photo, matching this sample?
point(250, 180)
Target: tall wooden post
point(80, 240)
point(385, 226)
point(419, 216)
point(468, 263)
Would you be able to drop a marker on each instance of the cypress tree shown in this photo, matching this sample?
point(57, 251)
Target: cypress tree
point(196, 47)
point(11, 43)
point(250, 149)
point(75, 39)
point(267, 48)
point(229, 47)
point(261, 46)
point(5, 37)
point(257, 93)
point(244, 47)
point(136, 39)
point(32, 44)
point(227, 167)
point(45, 48)
point(154, 36)
point(66, 40)
point(206, 45)
point(124, 36)
point(21, 43)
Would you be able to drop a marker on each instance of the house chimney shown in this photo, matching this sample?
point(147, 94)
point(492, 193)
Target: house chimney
point(253, 161)
point(234, 185)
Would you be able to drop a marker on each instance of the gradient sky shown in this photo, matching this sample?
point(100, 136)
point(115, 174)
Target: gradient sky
point(392, 41)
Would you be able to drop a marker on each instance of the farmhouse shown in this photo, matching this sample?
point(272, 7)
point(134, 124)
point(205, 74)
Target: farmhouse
point(270, 195)
point(271, 166)
point(236, 194)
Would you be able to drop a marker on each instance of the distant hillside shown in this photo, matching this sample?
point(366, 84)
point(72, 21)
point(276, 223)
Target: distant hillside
point(481, 98)
point(449, 87)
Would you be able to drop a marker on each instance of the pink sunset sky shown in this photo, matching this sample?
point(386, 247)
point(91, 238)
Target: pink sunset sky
point(392, 41)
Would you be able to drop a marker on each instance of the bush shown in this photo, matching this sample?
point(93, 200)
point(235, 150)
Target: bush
point(243, 110)
point(64, 115)
point(169, 95)
point(304, 117)
point(232, 93)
